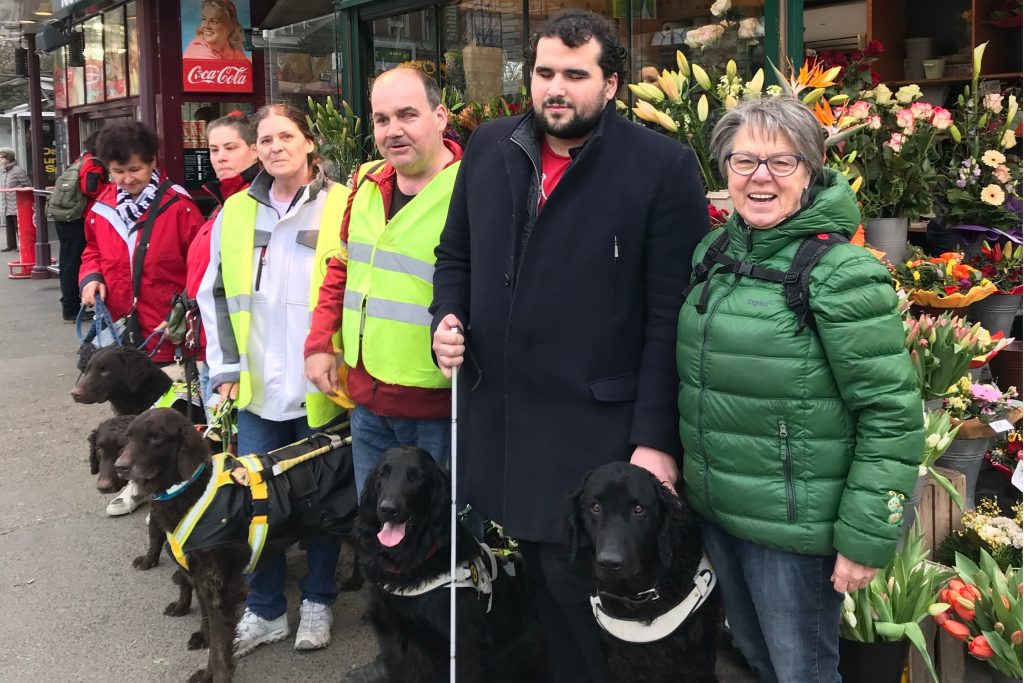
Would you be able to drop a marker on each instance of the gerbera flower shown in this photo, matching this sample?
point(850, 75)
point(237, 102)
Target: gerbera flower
point(993, 158)
point(993, 194)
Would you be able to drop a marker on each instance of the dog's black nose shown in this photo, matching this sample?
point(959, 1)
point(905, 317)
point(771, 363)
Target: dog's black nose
point(387, 509)
point(610, 562)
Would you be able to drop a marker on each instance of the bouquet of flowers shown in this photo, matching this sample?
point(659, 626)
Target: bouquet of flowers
point(941, 349)
point(466, 116)
point(717, 216)
point(900, 596)
point(1006, 452)
point(944, 281)
point(983, 609)
point(980, 186)
point(857, 74)
point(983, 402)
point(985, 528)
point(1001, 265)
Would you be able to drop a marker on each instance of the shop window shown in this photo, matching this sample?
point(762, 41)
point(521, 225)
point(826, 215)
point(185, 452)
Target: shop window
point(303, 61)
point(483, 48)
point(75, 74)
point(93, 28)
point(195, 116)
point(133, 48)
point(114, 53)
point(60, 92)
point(708, 32)
point(406, 38)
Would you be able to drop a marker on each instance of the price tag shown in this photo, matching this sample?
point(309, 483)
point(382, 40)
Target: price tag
point(1000, 426)
point(1018, 475)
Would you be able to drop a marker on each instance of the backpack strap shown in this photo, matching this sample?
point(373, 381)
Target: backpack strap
point(797, 282)
point(703, 269)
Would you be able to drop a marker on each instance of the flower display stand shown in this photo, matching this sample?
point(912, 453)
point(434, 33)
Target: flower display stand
point(939, 516)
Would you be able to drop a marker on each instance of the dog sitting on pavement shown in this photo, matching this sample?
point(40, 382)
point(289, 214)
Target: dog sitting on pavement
point(220, 514)
point(654, 597)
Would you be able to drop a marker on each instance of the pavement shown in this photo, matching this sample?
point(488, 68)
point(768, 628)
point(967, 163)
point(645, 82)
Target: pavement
point(73, 608)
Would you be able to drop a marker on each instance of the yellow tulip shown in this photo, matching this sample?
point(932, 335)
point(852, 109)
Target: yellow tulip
point(666, 122)
point(701, 77)
point(702, 106)
point(730, 69)
point(683, 64)
point(669, 85)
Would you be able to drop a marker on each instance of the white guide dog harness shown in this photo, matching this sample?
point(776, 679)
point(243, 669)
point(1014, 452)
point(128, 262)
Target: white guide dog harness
point(477, 573)
point(631, 631)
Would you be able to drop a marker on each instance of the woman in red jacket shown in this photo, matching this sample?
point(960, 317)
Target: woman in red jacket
point(112, 230)
point(232, 141)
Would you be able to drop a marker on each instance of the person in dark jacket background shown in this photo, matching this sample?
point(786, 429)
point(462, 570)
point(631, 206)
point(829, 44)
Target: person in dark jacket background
point(801, 446)
point(561, 269)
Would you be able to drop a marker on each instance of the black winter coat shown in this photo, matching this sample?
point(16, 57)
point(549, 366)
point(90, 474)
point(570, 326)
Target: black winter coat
point(570, 343)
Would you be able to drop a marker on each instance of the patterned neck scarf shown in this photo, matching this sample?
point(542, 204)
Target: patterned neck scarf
point(131, 210)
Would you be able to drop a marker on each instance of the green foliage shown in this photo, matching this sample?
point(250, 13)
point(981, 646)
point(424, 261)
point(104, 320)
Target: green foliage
point(339, 138)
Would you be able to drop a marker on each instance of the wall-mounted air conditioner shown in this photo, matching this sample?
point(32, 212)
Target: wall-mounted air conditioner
point(842, 26)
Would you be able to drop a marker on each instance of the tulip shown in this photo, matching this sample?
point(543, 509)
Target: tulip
point(937, 609)
point(963, 613)
point(730, 69)
point(701, 76)
point(980, 648)
point(956, 629)
point(1016, 637)
point(1000, 627)
point(848, 604)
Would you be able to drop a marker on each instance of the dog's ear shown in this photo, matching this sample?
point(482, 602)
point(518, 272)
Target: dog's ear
point(574, 531)
point(192, 449)
point(368, 497)
point(669, 511)
point(137, 367)
point(94, 456)
point(440, 499)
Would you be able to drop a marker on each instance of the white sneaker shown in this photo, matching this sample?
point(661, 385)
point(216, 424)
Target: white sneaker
point(253, 631)
point(314, 630)
point(126, 501)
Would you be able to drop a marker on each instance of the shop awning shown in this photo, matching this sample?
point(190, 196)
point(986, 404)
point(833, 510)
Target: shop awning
point(285, 12)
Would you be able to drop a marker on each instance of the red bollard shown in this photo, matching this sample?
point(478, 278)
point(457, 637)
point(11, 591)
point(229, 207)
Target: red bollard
point(22, 268)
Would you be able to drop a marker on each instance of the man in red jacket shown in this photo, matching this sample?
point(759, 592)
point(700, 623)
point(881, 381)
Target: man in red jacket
point(408, 124)
point(92, 181)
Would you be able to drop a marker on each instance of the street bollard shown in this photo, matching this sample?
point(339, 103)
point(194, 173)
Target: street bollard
point(22, 268)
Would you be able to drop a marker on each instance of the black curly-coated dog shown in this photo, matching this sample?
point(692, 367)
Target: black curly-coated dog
point(646, 549)
point(405, 540)
point(123, 375)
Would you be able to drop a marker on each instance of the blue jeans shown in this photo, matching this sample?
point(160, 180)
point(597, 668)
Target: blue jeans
point(266, 586)
point(372, 435)
point(782, 608)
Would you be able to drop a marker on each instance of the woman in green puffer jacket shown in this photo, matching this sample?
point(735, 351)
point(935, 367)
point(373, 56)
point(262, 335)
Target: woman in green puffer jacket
point(801, 447)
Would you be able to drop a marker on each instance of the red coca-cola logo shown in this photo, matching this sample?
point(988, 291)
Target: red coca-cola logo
point(227, 75)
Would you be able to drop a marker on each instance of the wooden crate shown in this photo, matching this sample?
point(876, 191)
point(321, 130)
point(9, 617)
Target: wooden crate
point(939, 516)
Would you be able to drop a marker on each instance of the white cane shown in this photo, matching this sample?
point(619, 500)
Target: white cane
point(454, 463)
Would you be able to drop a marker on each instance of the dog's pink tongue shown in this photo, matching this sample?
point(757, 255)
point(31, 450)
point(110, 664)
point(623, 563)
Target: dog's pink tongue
point(391, 534)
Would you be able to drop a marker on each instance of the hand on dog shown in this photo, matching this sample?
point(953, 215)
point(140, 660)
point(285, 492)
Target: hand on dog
point(91, 290)
point(322, 370)
point(849, 576)
point(449, 344)
point(661, 465)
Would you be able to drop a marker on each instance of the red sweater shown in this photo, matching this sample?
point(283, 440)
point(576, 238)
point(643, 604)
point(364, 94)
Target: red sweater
point(388, 400)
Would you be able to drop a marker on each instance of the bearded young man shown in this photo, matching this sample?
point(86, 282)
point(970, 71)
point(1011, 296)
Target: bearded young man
point(560, 275)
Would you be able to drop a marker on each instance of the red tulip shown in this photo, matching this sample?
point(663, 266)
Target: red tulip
point(956, 629)
point(965, 614)
point(941, 617)
point(980, 648)
point(1016, 637)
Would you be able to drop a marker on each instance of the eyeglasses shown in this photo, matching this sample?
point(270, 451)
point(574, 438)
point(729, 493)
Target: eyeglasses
point(779, 165)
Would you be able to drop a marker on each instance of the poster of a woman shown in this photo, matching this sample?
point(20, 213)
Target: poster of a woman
point(219, 34)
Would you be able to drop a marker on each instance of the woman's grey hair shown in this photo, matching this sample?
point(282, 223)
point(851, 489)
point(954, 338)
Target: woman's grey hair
point(772, 117)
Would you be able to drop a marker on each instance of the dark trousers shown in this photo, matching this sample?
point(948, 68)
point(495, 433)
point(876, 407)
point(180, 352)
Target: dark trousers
point(12, 232)
point(560, 590)
point(72, 243)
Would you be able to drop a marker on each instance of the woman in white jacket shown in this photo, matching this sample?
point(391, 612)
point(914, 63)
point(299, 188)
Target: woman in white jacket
point(254, 303)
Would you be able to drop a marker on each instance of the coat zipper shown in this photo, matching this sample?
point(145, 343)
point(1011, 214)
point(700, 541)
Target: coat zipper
point(703, 388)
point(787, 462)
point(259, 270)
point(615, 274)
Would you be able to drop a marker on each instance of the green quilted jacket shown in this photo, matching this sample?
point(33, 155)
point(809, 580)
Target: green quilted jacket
point(805, 443)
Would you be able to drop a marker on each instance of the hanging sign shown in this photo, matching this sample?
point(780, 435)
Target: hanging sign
point(213, 57)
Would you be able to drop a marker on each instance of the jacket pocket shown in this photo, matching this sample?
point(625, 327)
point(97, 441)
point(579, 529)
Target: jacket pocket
point(786, 454)
point(615, 389)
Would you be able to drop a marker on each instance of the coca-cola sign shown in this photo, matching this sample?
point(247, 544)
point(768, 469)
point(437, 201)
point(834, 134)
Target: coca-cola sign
point(214, 58)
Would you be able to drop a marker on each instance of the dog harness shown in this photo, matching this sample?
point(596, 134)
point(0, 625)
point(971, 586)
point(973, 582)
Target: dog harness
point(247, 498)
point(633, 631)
point(478, 573)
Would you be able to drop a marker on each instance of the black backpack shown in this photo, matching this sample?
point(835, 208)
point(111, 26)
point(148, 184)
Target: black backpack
point(795, 281)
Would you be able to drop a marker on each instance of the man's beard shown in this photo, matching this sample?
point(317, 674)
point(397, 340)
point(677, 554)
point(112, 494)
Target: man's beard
point(573, 126)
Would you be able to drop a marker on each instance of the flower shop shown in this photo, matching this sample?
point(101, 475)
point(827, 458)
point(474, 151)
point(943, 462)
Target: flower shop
point(937, 173)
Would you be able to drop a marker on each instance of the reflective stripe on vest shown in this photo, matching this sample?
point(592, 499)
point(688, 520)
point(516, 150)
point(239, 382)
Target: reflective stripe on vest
point(389, 287)
point(237, 243)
